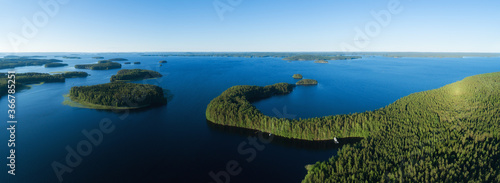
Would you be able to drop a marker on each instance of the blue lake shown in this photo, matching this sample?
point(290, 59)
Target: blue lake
point(174, 143)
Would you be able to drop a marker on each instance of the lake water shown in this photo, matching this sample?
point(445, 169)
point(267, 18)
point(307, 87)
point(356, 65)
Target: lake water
point(174, 143)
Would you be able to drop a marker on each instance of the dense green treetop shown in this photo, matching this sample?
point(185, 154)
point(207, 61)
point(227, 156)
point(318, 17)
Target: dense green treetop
point(118, 59)
point(119, 95)
point(101, 65)
point(450, 134)
point(297, 76)
point(134, 74)
point(55, 64)
point(12, 62)
point(307, 82)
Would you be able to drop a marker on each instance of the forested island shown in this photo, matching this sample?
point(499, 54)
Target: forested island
point(12, 62)
point(319, 57)
point(66, 57)
point(23, 79)
point(137, 62)
point(134, 74)
point(118, 95)
point(118, 59)
point(97, 57)
point(297, 76)
point(307, 82)
point(163, 62)
point(449, 134)
point(55, 64)
point(290, 54)
point(126, 62)
point(101, 65)
point(321, 61)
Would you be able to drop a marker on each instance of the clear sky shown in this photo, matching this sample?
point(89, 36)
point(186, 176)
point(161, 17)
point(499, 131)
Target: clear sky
point(251, 25)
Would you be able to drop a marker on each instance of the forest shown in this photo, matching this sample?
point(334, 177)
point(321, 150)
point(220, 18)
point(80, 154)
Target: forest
point(134, 74)
point(23, 79)
point(118, 59)
point(450, 134)
point(307, 82)
point(55, 64)
point(12, 62)
point(119, 94)
point(319, 57)
point(101, 65)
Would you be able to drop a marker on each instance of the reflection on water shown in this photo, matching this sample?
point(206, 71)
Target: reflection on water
point(287, 142)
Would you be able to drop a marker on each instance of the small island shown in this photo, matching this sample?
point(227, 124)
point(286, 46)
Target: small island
point(66, 57)
point(101, 65)
point(307, 82)
point(118, 95)
point(126, 62)
point(321, 61)
point(137, 62)
point(55, 64)
point(319, 57)
point(118, 59)
point(97, 57)
point(297, 76)
point(163, 62)
point(134, 74)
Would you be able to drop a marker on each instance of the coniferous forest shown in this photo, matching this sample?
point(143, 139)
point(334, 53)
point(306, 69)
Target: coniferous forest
point(119, 94)
point(450, 134)
point(134, 74)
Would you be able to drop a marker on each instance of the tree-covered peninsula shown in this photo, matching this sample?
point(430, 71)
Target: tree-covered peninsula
point(55, 64)
point(134, 74)
point(118, 95)
point(101, 65)
point(450, 134)
point(12, 62)
point(23, 79)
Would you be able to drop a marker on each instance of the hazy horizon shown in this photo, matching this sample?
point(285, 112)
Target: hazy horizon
point(250, 26)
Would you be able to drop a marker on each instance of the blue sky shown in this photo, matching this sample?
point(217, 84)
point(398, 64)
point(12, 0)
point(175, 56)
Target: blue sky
point(252, 25)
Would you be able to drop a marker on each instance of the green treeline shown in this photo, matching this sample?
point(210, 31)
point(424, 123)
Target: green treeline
point(319, 57)
point(75, 74)
point(101, 65)
point(118, 59)
point(119, 94)
point(134, 74)
point(307, 82)
point(23, 79)
point(450, 134)
point(54, 64)
point(12, 62)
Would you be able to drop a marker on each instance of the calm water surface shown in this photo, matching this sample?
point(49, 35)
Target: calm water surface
point(174, 143)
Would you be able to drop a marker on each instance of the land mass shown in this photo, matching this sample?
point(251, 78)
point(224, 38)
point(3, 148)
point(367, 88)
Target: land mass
point(55, 64)
point(134, 74)
point(319, 57)
point(13, 62)
point(118, 95)
point(450, 134)
point(23, 79)
point(101, 65)
point(307, 82)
